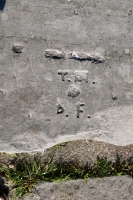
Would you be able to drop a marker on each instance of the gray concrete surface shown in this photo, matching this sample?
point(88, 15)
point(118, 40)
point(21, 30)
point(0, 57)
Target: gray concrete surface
point(110, 188)
point(65, 72)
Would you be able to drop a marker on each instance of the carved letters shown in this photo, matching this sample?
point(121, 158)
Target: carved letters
point(73, 90)
point(81, 75)
point(76, 75)
point(60, 109)
point(62, 73)
point(78, 109)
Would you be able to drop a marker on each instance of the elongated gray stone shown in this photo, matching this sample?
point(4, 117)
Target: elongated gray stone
point(54, 53)
point(86, 56)
point(97, 188)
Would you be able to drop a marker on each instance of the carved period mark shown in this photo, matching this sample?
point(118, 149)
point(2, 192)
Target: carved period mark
point(60, 109)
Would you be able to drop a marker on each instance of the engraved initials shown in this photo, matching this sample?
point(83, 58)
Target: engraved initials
point(60, 109)
point(62, 73)
point(78, 109)
point(81, 75)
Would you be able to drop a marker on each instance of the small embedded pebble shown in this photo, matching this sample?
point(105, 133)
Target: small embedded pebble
point(130, 12)
point(75, 12)
point(114, 97)
point(17, 48)
point(69, 80)
point(127, 52)
point(3, 92)
point(30, 116)
point(11, 166)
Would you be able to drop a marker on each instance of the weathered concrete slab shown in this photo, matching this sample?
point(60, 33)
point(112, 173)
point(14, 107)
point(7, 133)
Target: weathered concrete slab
point(110, 188)
point(65, 72)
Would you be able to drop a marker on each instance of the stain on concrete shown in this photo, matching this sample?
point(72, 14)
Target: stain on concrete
point(48, 76)
point(34, 128)
point(29, 95)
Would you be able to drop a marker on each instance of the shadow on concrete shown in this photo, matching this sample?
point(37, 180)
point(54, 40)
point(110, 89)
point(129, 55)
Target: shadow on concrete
point(2, 4)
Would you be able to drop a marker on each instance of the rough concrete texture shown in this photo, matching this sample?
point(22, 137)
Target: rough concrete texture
point(77, 153)
point(80, 153)
point(112, 188)
point(37, 40)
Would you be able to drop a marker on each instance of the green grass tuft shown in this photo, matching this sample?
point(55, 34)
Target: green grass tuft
point(26, 173)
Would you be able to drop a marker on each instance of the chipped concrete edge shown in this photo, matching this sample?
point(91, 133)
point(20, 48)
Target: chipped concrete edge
point(91, 135)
